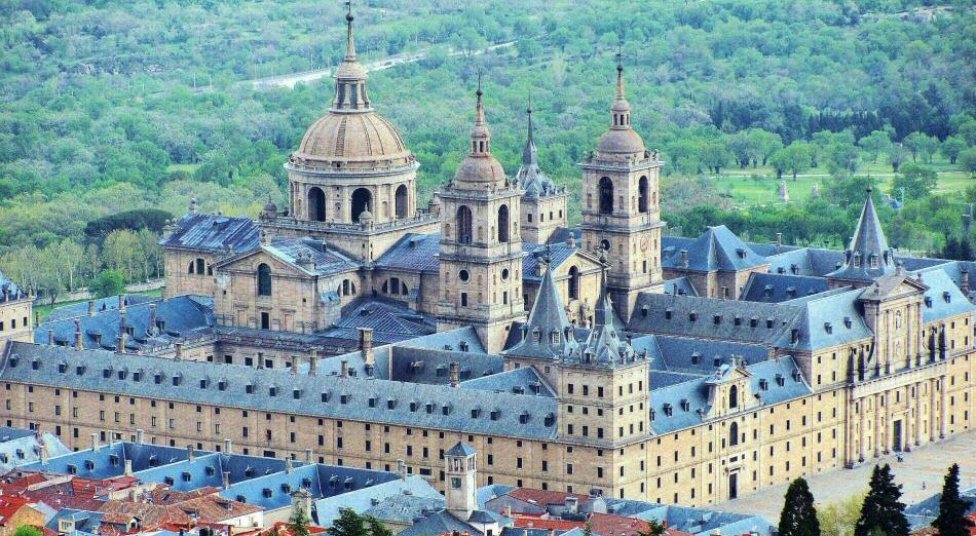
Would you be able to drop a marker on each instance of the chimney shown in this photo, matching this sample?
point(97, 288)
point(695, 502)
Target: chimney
point(228, 446)
point(226, 479)
point(964, 281)
point(91, 307)
point(42, 451)
point(294, 365)
point(402, 469)
point(140, 436)
point(94, 441)
point(37, 318)
point(572, 504)
point(313, 363)
point(779, 239)
point(289, 465)
point(301, 500)
point(122, 302)
point(508, 511)
point(78, 344)
point(179, 351)
point(308, 456)
point(344, 369)
point(189, 453)
point(120, 343)
point(151, 328)
point(50, 337)
point(128, 467)
point(366, 347)
point(455, 374)
point(684, 258)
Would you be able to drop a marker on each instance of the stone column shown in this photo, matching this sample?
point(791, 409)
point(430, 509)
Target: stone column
point(863, 428)
point(932, 415)
point(850, 451)
point(877, 425)
point(917, 408)
point(888, 446)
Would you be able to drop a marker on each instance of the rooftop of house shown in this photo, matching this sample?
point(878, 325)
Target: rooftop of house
point(9, 290)
point(717, 249)
point(19, 447)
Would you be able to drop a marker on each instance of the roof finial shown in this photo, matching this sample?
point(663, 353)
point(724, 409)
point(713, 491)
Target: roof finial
point(350, 43)
point(548, 257)
point(620, 75)
point(480, 108)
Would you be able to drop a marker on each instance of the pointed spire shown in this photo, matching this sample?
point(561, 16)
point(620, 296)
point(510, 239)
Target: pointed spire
point(548, 332)
point(480, 135)
point(529, 176)
point(603, 311)
point(869, 255)
point(529, 152)
point(620, 77)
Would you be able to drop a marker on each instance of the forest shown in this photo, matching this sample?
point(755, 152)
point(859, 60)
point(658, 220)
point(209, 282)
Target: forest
point(113, 115)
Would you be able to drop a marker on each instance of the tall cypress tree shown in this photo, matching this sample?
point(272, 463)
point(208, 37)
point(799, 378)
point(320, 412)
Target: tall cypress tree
point(882, 511)
point(952, 520)
point(799, 517)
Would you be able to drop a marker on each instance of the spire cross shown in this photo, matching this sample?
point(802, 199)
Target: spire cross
point(350, 43)
point(548, 257)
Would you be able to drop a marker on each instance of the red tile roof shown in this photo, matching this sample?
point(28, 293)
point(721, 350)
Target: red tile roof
point(284, 529)
point(560, 525)
point(9, 506)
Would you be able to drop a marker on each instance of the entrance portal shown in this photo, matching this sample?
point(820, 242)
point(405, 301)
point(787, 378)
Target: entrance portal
point(733, 486)
point(896, 436)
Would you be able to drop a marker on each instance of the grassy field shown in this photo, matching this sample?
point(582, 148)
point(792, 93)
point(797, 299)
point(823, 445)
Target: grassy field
point(753, 186)
point(45, 309)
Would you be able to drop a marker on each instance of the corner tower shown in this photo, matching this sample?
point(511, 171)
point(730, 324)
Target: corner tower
point(543, 204)
point(481, 248)
point(621, 207)
point(352, 180)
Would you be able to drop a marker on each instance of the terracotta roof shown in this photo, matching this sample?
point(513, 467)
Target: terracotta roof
point(615, 525)
point(19, 485)
point(9, 506)
point(560, 525)
point(281, 528)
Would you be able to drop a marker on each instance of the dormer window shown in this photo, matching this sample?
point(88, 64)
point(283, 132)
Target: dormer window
point(668, 410)
point(692, 316)
point(685, 405)
point(873, 260)
point(554, 337)
point(828, 328)
point(753, 322)
point(847, 322)
point(780, 380)
point(717, 319)
point(764, 384)
point(928, 301)
point(695, 358)
point(946, 296)
point(667, 313)
point(495, 414)
point(536, 335)
point(857, 260)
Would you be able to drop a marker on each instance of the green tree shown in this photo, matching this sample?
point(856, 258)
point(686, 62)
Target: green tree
point(951, 147)
point(377, 528)
point(799, 517)
point(28, 530)
point(896, 155)
point(917, 181)
point(299, 521)
point(843, 159)
point(349, 523)
point(839, 518)
point(107, 283)
point(952, 520)
point(875, 143)
point(714, 155)
point(795, 158)
point(653, 528)
point(967, 161)
point(882, 509)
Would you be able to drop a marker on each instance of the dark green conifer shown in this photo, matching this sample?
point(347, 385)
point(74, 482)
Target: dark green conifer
point(882, 511)
point(799, 517)
point(952, 520)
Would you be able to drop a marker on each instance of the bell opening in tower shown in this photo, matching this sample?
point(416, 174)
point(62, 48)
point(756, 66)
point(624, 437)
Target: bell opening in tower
point(316, 204)
point(361, 199)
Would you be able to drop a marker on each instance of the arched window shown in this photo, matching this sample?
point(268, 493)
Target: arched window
point(361, 198)
point(642, 195)
point(401, 201)
point(316, 204)
point(189, 269)
point(733, 397)
point(345, 287)
point(200, 267)
point(264, 280)
point(605, 245)
point(606, 196)
point(394, 285)
point(463, 224)
point(573, 283)
point(733, 434)
point(503, 224)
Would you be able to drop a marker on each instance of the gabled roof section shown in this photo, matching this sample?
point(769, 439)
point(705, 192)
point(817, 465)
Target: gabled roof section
point(775, 288)
point(213, 234)
point(305, 255)
point(460, 449)
point(717, 248)
point(868, 256)
point(414, 253)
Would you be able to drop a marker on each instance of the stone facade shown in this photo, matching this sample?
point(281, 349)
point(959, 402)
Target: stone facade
point(16, 311)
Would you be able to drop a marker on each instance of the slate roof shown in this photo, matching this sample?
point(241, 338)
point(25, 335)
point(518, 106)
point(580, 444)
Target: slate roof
point(548, 328)
point(433, 406)
point(19, 447)
point(680, 286)
point(314, 257)
point(688, 404)
point(213, 234)
point(806, 261)
point(9, 289)
point(716, 249)
point(413, 253)
point(943, 298)
point(177, 318)
point(774, 288)
point(697, 521)
point(699, 356)
point(391, 321)
point(520, 380)
point(923, 513)
point(533, 254)
point(868, 256)
point(436, 523)
point(101, 305)
point(85, 520)
point(460, 449)
point(396, 501)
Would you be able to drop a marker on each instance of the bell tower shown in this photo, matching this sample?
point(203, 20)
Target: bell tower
point(621, 207)
point(462, 481)
point(481, 248)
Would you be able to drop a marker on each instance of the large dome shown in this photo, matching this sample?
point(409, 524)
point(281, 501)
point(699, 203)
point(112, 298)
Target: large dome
point(621, 141)
point(479, 170)
point(354, 138)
